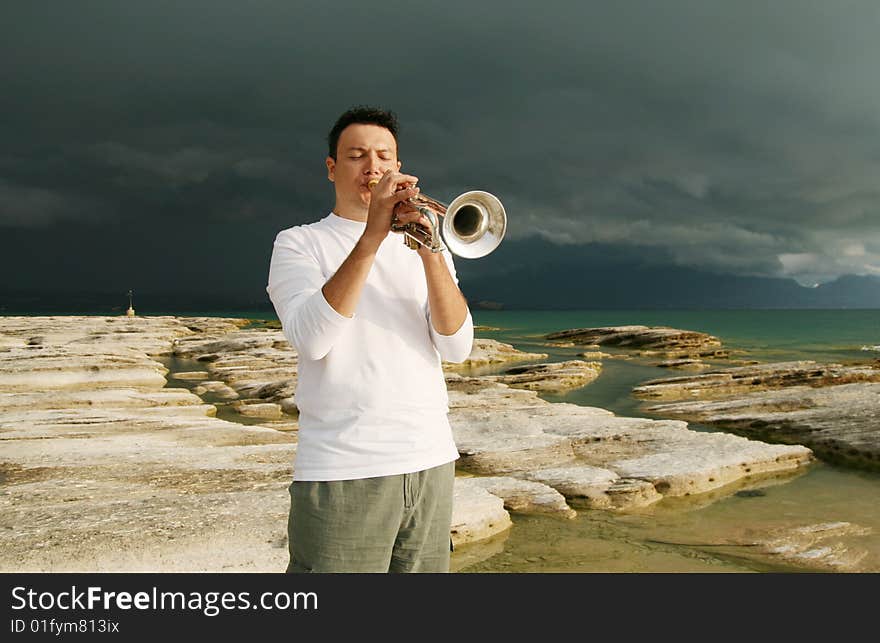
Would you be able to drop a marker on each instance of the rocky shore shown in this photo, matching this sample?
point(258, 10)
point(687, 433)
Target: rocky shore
point(832, 408)
point(647, 340)
point(111, 461)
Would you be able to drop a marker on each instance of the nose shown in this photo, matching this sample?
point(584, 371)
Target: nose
point(374, 165)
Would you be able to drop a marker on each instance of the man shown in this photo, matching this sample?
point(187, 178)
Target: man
point(371, 320)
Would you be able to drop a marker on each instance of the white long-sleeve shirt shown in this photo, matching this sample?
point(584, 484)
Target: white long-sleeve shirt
point(370, 392)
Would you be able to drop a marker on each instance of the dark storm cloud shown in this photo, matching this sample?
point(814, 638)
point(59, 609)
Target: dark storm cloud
point(740, 137)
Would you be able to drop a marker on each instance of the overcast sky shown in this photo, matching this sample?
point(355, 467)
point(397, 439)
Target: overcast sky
point(159, 144)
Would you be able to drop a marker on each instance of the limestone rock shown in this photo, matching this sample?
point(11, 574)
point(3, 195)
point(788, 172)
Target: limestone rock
point(497, 435)
point(219, 389)
point(689, 364)
point(626, 494)
point(190, 375)
point(90, 465)
point(597, 488)
point(727, 382)
point(106, 470)
point(288, 405)
point(596, 355)
point(808, 546)
point(465, 392)
point(489, 351)
point(726, 458)
point(840, 423)
point(115, 398)
point(476, 513)
point(254, 409)
point(76, 367)
point(239, 341)
point(657, 339)
point(252, 364)
point(828, 547)
point(581, 481)
point(555, 376)
point(84, 333)
point(504, 441)
point(523, 496)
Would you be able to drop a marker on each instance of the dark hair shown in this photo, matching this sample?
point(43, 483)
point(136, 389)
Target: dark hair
point(362, 115)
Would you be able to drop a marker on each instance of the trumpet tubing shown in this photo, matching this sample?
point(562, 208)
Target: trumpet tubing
point(473, 224)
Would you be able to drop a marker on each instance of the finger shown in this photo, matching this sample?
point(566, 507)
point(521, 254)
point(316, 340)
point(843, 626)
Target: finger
point(412, 217)
point(404, 194)
point(406, 178)
point(394, 182)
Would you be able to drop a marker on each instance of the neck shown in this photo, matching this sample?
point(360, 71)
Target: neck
point(355, 212)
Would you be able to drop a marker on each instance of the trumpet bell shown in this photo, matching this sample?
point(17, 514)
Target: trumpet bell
point(474, 224)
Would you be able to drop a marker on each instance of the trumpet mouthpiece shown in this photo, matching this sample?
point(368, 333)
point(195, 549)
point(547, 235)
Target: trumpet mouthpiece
point(372, 183)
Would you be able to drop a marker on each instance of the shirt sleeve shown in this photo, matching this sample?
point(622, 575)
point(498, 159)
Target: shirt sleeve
point(309, 323)
point(456, 347)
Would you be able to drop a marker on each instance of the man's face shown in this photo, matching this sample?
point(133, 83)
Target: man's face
point(364, 152)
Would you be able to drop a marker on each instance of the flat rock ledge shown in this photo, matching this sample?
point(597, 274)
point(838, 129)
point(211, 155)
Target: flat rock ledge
point(252, 369)
point(522, 496)
point(477, 514)
point(829, 547)
point(684, 364)
point(595, 458)
point(833, 409)
point(489, 352)
point(671, 343)
point(107, 468)
point(550, 376)
point(727, 382)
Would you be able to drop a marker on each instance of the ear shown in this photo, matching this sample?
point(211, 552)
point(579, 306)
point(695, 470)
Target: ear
point(331, 168)
point(398, 165)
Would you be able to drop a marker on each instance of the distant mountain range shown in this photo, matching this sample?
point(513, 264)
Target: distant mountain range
point(524, 274)
point(662, 287)
point(536, 274)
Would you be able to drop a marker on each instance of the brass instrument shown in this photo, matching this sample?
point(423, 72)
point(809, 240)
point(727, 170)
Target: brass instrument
point(473, 224)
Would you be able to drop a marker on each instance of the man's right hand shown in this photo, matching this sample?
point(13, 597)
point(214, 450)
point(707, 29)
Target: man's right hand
point(391, 189)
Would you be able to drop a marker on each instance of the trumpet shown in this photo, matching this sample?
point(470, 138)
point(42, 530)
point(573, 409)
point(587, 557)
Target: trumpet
point(473, 224)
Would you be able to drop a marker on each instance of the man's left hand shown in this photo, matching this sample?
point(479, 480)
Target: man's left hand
point(409, 214)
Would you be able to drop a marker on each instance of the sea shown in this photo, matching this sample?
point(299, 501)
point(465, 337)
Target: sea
point(714, 532)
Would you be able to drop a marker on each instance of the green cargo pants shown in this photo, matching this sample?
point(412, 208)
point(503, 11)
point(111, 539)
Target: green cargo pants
point(396, 523)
